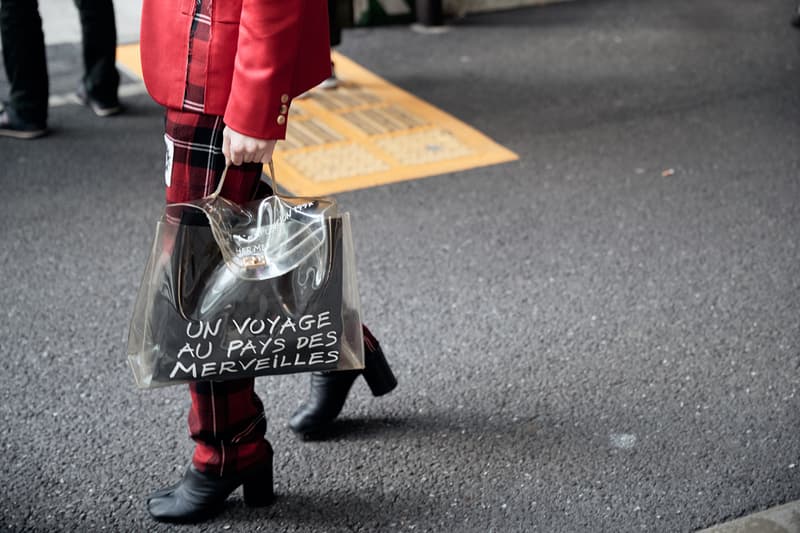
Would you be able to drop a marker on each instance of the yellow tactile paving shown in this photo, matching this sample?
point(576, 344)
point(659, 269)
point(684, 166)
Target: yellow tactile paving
point(351, 161)
point(128, 56)
point(366, 133)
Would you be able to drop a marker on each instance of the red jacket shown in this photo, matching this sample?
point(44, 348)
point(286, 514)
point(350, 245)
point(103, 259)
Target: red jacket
point(261, 54)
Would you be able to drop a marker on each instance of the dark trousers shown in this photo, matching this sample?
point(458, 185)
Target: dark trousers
point(334, 23)
point(25, 61)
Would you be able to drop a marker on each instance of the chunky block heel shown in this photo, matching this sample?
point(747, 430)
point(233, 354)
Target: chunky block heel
point(258, 491)
point(329, 390)
point(258, 488)
point(199, 496)
point(378, 375)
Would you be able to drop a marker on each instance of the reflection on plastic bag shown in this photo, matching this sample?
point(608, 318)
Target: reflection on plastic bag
point(271, 238)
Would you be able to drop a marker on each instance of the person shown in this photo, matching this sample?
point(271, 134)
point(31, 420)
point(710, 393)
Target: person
point(335, 39)
point(335, 29)
point(25, 114)
point(227, 73)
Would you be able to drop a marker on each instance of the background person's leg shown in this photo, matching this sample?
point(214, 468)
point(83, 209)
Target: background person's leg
point(334, 24)
point(335, 31)
point(99, 32)
point(25, 60)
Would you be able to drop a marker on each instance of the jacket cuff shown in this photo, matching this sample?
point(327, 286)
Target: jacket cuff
point(269, 123)
point(267, 49)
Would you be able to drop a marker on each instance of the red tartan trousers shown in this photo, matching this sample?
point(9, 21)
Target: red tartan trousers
point(226, 419)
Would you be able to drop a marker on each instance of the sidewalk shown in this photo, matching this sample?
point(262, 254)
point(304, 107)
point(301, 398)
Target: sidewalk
point(781, 519)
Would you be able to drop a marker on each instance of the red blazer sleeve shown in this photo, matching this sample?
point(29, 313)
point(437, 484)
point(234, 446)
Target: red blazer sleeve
point(275, 61)
point(164, 46)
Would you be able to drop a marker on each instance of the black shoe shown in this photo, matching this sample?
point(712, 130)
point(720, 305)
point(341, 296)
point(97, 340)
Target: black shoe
point(329, 390)
point(13, 127)
point(200, 496)
point(102, 107)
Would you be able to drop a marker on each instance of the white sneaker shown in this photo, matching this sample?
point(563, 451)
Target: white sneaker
point(331, 82)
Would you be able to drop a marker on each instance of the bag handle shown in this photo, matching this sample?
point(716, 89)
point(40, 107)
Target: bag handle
point(271, 177)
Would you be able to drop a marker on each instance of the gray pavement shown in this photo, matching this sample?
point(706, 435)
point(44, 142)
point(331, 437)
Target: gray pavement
point(584, 341)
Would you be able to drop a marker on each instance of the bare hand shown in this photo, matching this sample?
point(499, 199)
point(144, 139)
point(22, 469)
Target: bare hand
point(239, 148)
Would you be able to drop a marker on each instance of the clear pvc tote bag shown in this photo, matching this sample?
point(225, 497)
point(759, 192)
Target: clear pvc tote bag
point(232, 291)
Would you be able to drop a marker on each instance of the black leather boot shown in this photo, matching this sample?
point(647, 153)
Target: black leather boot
point(329, 390)
point(200, 496)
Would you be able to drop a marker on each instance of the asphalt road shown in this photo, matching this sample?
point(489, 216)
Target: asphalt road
point(584, 341)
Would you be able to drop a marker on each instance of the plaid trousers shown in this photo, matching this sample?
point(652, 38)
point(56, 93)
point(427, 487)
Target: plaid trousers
point(226, 419)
